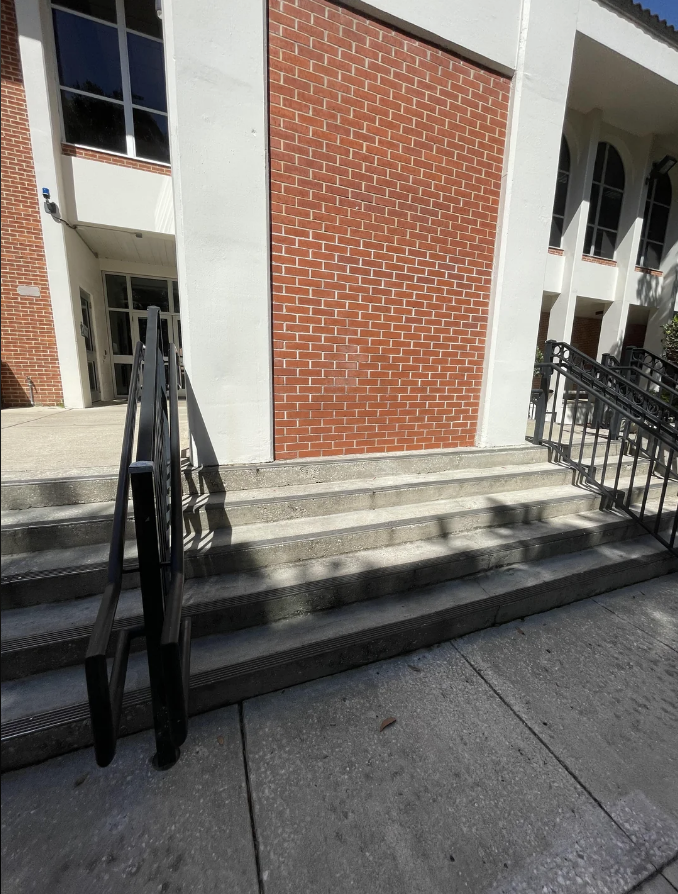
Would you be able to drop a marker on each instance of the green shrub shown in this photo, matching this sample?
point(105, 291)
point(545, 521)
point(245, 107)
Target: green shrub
point(670, 339)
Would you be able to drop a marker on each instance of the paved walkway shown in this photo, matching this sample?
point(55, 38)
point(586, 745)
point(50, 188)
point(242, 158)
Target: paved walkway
point(538, 757)
point(49, 442)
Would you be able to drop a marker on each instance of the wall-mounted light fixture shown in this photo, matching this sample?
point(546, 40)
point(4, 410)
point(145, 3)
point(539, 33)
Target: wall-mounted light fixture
point(659, 168)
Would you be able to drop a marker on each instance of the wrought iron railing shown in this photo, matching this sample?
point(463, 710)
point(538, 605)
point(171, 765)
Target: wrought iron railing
point(620, 439)
point(155, 479)
point(662, 371)
point(649, 372)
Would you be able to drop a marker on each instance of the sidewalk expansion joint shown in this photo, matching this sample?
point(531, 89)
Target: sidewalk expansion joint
point(250, 801)
point(553, 754)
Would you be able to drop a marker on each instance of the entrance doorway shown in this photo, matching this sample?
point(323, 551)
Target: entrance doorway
point(87, 332)
point(128, 299)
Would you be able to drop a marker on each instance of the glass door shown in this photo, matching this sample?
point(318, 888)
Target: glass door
point(128, 299)
point(87, 332)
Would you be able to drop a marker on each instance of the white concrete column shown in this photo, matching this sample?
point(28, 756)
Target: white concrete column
point(216, 83)
point(35, 36)
point(667, 303)
point(613, 327)
point(537, 110)
point(579, 193)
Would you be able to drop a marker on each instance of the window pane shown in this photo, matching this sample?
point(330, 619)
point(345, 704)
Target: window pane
point(588, 241)
point(147, 72)
point(600, 159)
point(148, 293)
point(88, 55)
point(614, 169)
point(100, 9)
point(662, 190)
point(150, 133)
point(116, 290)
point(656, 227)
point(653, 255)
point(121, 334)
point(123, 375)
point(175, 294)
point(561, 194)
point(140, 15)
point(93, 122)
point(606, 242)
point(610, 208)
point(556, 232)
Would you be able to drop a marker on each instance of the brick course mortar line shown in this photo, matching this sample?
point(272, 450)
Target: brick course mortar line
point(136, 164)
point(28, 339)
point(386, 161)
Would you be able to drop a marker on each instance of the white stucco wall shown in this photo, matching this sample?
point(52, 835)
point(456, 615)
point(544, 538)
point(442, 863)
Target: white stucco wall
point(216, 77)
point(628, 38)
point(483, 30)
point(115, 196)
point(85, 273)
point(539, 94)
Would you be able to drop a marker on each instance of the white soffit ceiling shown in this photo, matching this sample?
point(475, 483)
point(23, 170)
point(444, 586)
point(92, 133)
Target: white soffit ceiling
point(120, 245)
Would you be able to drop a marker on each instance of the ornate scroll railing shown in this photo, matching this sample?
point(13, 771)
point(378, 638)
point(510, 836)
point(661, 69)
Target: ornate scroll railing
point(619, 438)
point(155, 479)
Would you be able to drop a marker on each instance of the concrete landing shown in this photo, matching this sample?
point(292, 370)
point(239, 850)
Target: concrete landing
point(535, 757)
point(47, 442)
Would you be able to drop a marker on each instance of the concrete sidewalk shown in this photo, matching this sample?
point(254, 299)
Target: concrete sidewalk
point(538, 757)
point(50, 442)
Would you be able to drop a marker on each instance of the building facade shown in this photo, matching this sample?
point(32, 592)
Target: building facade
point(358, 220)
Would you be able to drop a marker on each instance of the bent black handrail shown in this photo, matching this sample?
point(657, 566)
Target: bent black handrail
point(105, 699)
point(176, 636)
point(155, 480)
point(608, 408)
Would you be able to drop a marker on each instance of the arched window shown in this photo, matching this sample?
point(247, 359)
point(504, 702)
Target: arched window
point(607, 192)
point(655, 219)
point(558, 219)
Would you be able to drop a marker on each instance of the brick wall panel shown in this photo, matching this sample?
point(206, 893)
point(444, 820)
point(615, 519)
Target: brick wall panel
point(386, 159)
point(28, 340)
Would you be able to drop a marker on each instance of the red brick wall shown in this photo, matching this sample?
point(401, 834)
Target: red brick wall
point(386, 158)
point(109, 158)
point(28, 341)
point(586, 335)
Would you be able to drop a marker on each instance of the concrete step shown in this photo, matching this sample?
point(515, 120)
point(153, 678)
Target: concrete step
point(63, 574)
point(69, 490)
point(44, 637)
point(84, 524)
point(47, 714)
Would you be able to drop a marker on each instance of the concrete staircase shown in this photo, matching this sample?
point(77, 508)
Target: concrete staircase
point(300, 569)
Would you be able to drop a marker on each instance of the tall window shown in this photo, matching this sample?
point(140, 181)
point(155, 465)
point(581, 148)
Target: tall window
point(112, 76)
point(558, 219)
point(607, 192)
point(655, 219)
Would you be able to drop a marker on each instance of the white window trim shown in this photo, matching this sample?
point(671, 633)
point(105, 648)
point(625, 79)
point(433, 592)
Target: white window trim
point(126, 102)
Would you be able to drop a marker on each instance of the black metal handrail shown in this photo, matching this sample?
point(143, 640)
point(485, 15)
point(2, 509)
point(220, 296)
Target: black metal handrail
point(657, 380)
point(659, 369)
point(607, 408)
point(155, 479)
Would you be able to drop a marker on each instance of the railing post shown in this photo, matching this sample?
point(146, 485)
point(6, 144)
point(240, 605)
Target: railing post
point(542, 400)
point(609, 361)
point(151, 579)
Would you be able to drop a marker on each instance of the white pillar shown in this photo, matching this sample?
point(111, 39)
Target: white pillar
point(579, 193)
point(216, 83)
point(537, 111)
point(613, 326)
point(35, 34)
